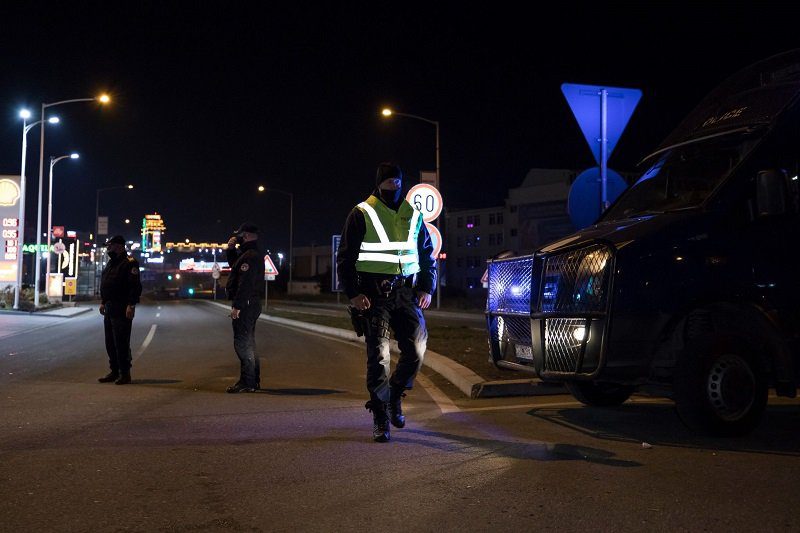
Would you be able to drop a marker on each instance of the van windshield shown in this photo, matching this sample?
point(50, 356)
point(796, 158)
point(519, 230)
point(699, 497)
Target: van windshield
point(682, 178)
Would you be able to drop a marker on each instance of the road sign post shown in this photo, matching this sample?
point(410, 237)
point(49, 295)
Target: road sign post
point(269, 275)
point(428, 200)
point(602, 114)
point(215, 273)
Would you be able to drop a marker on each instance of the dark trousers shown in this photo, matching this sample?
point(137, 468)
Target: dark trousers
point(400, 312)
point(244, 342)
point(118, 342)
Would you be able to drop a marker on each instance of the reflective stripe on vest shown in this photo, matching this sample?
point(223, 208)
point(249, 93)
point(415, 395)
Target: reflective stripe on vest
point(381, 255)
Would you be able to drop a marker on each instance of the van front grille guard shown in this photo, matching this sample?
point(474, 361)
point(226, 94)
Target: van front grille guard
point(552, 327)
point(571, 312)
point(508, 311)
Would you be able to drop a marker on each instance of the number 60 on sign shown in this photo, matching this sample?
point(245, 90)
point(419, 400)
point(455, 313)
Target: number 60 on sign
point(427, 199)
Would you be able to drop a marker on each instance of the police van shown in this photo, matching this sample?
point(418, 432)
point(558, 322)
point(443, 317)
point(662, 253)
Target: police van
point(688, 286)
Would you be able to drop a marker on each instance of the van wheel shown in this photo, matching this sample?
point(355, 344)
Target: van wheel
point(720, 388)
point(599, 394)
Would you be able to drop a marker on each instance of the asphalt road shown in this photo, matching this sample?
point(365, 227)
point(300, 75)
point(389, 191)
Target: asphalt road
point(174, 452)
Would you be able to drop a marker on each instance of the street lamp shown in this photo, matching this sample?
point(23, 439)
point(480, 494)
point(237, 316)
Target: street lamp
point(53, 161)
point(387, 112)
point(24, 115)
point(261, 188)
point(103, 99)
point(97, 225)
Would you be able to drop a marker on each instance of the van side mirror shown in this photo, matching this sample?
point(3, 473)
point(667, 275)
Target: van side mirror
point(771, 192)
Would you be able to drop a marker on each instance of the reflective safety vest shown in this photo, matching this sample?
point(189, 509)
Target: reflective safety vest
point(390, 242)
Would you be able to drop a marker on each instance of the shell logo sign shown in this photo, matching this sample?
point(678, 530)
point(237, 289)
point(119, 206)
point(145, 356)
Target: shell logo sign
point(9, 192)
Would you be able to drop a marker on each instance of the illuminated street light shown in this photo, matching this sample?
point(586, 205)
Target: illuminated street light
point(53, 161)
point(386, 112)
point(127, 221)
point(103, 99)
point(291, 228)
point(24, 114)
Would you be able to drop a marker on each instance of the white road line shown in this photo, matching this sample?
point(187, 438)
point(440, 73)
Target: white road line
point(443, 402)
point(158, 315)
point(146, 342)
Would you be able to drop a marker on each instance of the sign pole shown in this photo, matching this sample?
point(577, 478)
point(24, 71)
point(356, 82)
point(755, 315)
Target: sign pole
point(266, 294)
point(603, 150)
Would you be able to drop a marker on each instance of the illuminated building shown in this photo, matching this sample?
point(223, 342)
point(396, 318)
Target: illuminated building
point(153, 229)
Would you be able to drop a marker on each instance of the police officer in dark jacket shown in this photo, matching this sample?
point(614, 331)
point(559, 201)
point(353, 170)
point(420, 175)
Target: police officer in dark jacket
point(120, 288)
point(386, 266)
point(244, 284)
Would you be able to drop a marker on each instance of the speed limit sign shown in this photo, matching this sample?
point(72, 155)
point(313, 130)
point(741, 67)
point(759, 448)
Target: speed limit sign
point(427, 199)
point(436, 238)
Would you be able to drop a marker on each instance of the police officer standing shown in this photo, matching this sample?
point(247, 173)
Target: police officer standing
point(244, 283)
point(120, 289)
point(388, 271)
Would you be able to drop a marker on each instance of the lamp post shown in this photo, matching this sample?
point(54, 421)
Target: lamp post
point(24, 115)
point(261, 188)
point(103, 99)
point(97, 226)
point(53, 161)
point(386, 112)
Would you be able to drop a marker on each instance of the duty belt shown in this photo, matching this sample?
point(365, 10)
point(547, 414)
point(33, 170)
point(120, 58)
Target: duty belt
point(387, 286)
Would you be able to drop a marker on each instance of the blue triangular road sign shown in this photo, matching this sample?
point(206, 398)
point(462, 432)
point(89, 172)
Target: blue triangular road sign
point(584, 100)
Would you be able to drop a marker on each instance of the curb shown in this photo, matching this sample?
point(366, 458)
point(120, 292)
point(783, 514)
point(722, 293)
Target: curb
point(458, 315)
point(50, 313)
point(462, 377)
point(468, 382)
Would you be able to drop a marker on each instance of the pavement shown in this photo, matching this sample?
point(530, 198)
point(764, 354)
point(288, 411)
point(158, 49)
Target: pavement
point(173, 452)
point(467, 381)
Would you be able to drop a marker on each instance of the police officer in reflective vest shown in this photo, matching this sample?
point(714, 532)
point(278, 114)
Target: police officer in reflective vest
point(120, 289)
point(388, 271)
point(244, 283)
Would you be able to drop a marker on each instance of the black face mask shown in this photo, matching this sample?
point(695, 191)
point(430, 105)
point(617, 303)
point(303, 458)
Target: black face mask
point(392, 198)
point(113, 255)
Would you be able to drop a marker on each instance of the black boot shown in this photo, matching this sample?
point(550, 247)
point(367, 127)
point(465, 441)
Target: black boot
point(395, 409)
point(123, 379)
point(108, 378)
point(380, 422)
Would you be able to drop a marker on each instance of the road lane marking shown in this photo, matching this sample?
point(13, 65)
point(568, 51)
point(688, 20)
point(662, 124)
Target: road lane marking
point(443, 402)
point(158, 315)
point(146, 342)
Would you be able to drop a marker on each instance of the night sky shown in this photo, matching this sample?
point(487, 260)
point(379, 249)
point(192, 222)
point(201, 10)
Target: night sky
point(209, 103)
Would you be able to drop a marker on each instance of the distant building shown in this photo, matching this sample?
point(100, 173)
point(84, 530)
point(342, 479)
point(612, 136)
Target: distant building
point(473, 235)
point(534, 213)
point(311, 261)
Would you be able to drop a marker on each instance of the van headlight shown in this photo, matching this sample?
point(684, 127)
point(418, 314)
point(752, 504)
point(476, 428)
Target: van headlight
point(594, 262)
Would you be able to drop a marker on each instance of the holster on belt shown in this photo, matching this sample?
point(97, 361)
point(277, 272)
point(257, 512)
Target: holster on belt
point(358, 319)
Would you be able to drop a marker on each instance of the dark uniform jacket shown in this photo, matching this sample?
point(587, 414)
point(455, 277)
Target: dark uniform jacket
point(120, 285)
point(354, 282)
point(247, 274)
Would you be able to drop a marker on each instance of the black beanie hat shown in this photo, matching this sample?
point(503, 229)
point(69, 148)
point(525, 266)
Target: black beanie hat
point(387, 171)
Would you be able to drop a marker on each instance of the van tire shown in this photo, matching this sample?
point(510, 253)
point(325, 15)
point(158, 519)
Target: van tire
point(720, 385)
point(599, 394)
